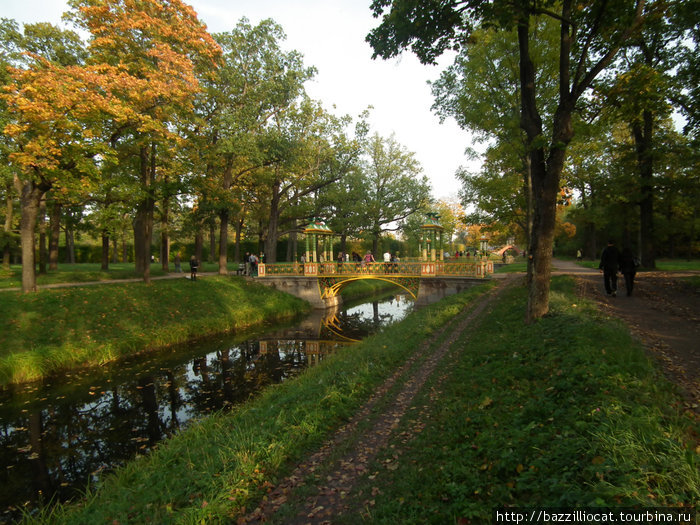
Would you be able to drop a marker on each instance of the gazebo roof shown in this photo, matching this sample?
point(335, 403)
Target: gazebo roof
point(319, 227)
point(432, 222)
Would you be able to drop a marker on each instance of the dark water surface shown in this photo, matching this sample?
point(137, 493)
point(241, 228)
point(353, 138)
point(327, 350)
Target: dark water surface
point(61, 434)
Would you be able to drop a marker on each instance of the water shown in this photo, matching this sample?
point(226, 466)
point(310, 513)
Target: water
point(59, 435)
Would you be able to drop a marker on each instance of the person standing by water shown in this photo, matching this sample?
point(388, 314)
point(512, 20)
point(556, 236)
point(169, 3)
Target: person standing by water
point(609, 265)
point(194, 266)
point(628, 267)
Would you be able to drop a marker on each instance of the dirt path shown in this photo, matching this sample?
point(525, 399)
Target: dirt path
point(663, 312)
point(361, 441)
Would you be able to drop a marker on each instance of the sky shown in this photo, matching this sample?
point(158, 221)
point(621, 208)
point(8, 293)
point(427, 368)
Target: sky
point(331, 36)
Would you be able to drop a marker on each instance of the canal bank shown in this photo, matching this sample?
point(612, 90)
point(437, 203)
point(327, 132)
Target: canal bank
point(510, 415)
point(60, 329)
point(59, 436)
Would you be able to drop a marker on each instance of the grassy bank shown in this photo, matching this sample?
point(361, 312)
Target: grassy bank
point(57, 329)
point(365, 288)
point(567, 411)
point(211, 471)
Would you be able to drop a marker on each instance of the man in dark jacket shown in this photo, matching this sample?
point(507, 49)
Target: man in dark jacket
point(609, 265)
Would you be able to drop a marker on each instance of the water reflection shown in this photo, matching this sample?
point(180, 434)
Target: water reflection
point(60, 435)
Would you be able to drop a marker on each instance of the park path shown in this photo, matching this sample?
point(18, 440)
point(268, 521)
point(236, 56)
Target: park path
point(663, 313)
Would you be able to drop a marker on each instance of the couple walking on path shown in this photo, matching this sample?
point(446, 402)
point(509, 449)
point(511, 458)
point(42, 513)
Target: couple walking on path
point(663, 315)
point(612, 261)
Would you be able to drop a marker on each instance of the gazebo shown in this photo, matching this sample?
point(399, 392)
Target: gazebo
point(319, 234)
point(431, 238)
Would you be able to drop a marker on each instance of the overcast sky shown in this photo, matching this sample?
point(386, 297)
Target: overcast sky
point(331, 36)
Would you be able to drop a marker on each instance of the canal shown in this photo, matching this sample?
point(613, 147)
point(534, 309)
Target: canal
point(58, 436)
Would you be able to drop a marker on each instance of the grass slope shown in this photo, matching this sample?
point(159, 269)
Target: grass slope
point(566, 412)
point(58, 329)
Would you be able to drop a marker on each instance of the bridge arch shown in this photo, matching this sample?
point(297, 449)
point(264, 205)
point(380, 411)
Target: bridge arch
point(331, 286)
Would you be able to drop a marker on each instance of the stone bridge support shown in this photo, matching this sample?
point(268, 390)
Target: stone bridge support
point(431, 289)
point(306, 288)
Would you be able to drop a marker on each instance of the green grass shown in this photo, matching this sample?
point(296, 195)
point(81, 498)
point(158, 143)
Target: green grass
point(63, 328)
point(88, 272)
point(210, 472)
point(565, 412)
point(516, 267)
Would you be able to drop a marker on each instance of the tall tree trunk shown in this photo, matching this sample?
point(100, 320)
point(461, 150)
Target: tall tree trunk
point(545, 173)
point(165, 235)
point(643, 133)
point(105, 251)
point(212, 240)
point(292, 247)
point(115, 249)
point(143, 220)
point(224, 214)
point(273, 226)
point(223, 241)
point(70, 238)
point(239, 231)
point(43, 248)
point(55, 229)
point(30, 195)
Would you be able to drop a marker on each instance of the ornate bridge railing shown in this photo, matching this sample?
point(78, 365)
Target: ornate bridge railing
point(477, 269)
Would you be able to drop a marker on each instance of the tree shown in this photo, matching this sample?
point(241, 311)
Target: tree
point(160, 50)
point(255, 82)
point(480, 91)
point(394, 187)
point(591, 35)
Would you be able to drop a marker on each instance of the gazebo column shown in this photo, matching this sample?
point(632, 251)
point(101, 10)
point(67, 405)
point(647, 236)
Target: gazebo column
point(314, 242)
point(306, 240)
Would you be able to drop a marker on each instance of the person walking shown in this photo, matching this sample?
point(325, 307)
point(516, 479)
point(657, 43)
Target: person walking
point(194, 266)
point(609, 265)
point(178, 263)
point(628, 267)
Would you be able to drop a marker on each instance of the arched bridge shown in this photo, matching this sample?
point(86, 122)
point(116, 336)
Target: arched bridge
point(320, 283)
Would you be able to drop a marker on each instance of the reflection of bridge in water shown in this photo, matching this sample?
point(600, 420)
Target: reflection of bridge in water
point(324, 331)
point(425, 281)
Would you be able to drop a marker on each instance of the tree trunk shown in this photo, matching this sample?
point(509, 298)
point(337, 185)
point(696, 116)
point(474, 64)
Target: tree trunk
point(271, 240)
point(55, 229)
point(198, 244)
point(643, 132)
point(143, 219)
point(239, 231)
point(545, 173)
point(165, 235)
point(105, 251)
point(212, 240)
point(43, 249)
point(30, 195)
point(223, 241)
point(70, 239)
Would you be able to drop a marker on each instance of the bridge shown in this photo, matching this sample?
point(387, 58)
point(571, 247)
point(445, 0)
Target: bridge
point(320, 283)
